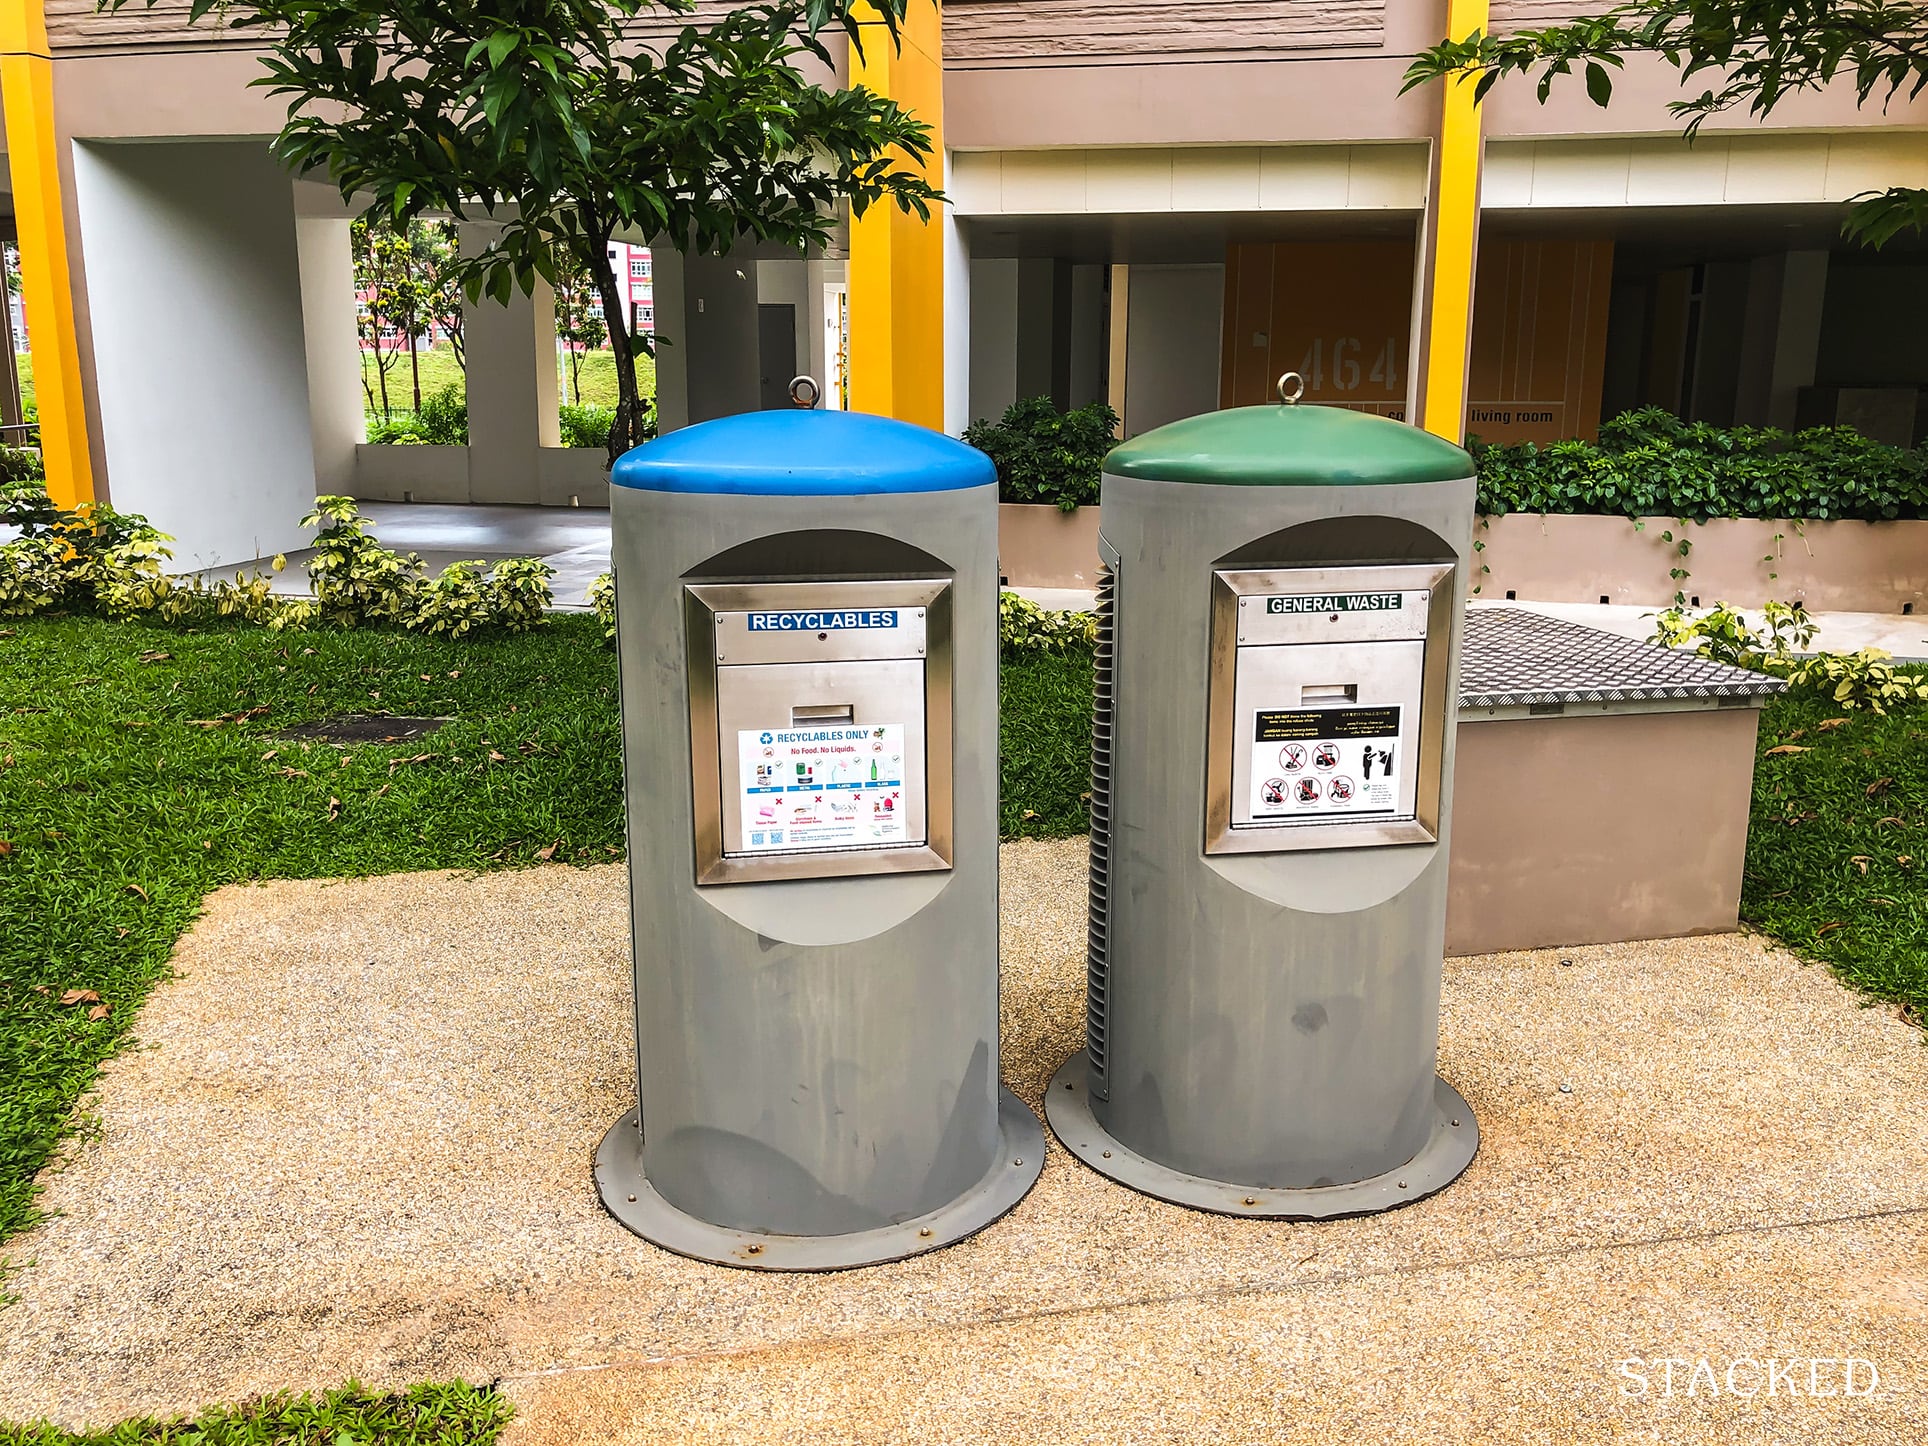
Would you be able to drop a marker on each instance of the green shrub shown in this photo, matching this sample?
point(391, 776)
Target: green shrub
point(1024, 627)
point(519, 595)
point(1864, 679)
point(24, 503)
point(33, 575)
point(20, 464)
point(442, 422)
point(602, 597)
point(356, 579)
point(585, 426)
point(1042, 455)
point(1649, 463)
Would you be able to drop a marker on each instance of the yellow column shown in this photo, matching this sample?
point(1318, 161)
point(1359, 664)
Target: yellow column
point(1452, 234)
point(33, 157)
point(896, 260)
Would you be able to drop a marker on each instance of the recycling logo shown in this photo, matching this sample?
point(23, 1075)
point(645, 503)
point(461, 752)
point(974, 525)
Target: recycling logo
point(766, 738)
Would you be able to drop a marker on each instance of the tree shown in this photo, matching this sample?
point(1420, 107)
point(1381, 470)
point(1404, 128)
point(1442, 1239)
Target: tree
point(551, 119)
point(1761, 51)
point(380, 256)
point(579, 319)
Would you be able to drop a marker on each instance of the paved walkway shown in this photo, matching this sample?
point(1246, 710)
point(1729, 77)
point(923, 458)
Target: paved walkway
point(358, 1143)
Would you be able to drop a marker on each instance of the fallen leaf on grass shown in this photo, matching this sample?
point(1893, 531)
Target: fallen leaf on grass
point(80, 996)
point(1881, 899)
point(1830, 928)
point(6, 847)
point(545, 854)
point(383, 789)
point(1861, 862)
point(120, 933)
point(156, 656)
point(1830, 723)
point(1030, 813)
point(1897, 822)
point(137, 889)
point(292, 772)
point(1904, 859)
point(1797, 733)
point(456, 673)
point(395, 763)
point(271, 753)
point(1880, 785)
point(334, 809)
point(99, 1011)
point(41, 989)
point(495, 757)
point(1786, 748)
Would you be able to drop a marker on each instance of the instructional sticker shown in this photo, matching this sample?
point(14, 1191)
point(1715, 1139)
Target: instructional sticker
point(821, 788)
point(1325, 762)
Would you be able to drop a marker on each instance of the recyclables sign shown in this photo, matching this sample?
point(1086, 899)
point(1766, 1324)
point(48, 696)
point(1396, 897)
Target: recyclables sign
point(1339, 602)
point(829, 622)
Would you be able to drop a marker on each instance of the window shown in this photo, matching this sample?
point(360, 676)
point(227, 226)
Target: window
point(638, 265)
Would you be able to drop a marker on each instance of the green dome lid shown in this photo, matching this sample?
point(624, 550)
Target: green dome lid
point(1289, 446)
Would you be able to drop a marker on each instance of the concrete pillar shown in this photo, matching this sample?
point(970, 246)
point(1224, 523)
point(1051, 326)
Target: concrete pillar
point(1781, 337)
point(337, 419)
point(10, 375)
point(1172, 356)
point(1087, 339)
point(512, 389)
point(193, 274)
point(993, 338)
point(719, 336)
point(672, 369)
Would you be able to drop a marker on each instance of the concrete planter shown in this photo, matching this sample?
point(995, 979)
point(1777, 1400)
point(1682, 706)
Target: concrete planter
point(1875, 567)
point(1039, 546)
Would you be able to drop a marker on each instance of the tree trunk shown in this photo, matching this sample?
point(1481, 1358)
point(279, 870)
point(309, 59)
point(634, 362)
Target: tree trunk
point(627, 428)
point(415, 373)
point(381, 374)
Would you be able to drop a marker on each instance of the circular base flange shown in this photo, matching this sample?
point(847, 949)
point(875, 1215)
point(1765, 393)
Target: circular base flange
point(630, 1197)
point(1448, 1151)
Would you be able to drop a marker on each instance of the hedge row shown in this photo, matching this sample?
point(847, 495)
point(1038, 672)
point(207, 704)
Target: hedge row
point(1649, 463)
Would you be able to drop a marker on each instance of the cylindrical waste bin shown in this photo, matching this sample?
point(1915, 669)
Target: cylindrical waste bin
point(806, 621)
point(1271, 786)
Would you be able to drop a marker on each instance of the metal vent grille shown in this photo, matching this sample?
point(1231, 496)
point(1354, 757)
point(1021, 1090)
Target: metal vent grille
point(1097, 969)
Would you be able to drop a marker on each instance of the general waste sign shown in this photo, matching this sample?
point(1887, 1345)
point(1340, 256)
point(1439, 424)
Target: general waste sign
point(1338, 602)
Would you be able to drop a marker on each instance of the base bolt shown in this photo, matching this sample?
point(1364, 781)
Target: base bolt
point(1017, 1162)
point(1249, 1201)
point(756, 1250)
point(1402, 1184)
point(1107, 1154)
point(925, 1232)
point(632, 1199)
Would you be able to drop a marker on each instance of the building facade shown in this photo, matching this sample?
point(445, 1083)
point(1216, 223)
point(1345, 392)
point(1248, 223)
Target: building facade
point(1161, 207)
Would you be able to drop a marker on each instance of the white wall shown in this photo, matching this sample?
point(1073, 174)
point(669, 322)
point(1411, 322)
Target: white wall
point(993, 334)
point(194, 287)
point(957, 316)
point(1172, 355)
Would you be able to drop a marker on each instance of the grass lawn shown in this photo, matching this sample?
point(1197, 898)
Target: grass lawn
point(138, 771)
point(1044, 745)
point(439, 370)
point(1838, 844)
point(452, 1414)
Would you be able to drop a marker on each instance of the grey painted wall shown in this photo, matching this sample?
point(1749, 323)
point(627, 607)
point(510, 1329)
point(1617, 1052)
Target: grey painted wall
point(1171, 340)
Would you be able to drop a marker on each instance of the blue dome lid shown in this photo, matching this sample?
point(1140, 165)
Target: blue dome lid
point(803, 453)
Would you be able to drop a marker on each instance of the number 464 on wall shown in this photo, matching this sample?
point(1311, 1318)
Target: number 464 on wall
point(1344, 355)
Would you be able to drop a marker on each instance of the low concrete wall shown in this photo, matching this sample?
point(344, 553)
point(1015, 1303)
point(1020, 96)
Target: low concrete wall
point(385, 473)
point(1873, 567)
point(1039, 546)
point(572, 477)
point(1593, 830)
